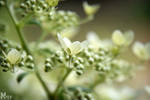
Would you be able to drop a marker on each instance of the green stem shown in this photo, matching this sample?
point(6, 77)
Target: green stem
point(24, 45)
point(87, 19)
point(61, 82)
point(23, 42)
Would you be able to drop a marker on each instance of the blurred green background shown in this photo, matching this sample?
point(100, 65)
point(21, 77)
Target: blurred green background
point(114, 14)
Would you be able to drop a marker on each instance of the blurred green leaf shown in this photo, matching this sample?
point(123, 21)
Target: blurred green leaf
point(21, 76)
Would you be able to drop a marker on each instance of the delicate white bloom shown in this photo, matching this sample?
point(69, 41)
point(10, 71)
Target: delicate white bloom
point(71, 48)
point(142, 51)
point(90, 9)
point(13, 56)
point(95, 42)
point(122, 39)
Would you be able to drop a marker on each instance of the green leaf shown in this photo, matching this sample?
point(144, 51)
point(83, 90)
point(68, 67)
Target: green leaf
point(21, 76)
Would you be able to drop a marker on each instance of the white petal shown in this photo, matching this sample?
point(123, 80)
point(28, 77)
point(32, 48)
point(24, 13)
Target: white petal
point(75, 47)
point(118, 38)
point(64, 41)
point(67, 42)
point(93, 40)
point(13, 56)
point(129, 35)
point(140, 50)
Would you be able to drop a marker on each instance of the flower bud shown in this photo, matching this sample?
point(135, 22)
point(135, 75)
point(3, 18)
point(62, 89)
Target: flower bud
point(48, 67)
point(30, 65)
point(90, 9)
point(91, 60)
point(79, 72)
point(21, 64)
point(29, 58)
point(80, 66)
point(13, 56)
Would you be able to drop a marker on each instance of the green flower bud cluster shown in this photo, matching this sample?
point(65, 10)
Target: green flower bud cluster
point(76, 93)
point(4, 45)
point(35, 6)
point(2, 3)
point(56, 58)
point(26, 61)
point(4, 64)
point(120, 70)
point(100, 60)
point(78, 65)
point(59, 20)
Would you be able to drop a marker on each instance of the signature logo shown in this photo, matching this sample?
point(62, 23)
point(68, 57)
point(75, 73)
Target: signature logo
point(5, 96)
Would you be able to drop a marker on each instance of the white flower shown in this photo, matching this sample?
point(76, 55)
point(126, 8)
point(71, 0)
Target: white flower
point(90, 9)
point(122, 39)
point(71, 48)
point(13, 56)
point(142, 51)
point(96, 43)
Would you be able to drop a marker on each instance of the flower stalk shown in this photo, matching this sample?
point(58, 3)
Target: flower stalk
point(24, 45)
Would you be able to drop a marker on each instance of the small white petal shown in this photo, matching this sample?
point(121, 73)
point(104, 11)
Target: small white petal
point(118, 38)
point(140, 50)
point(64, 41)
point(13, 56)
point(75, 47)
point(129, 35)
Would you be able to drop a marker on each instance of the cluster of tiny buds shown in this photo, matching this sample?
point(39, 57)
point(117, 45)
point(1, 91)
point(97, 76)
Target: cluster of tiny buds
point(100, 60)
point(4, 45)
point(26, 62)
point(34, 6)
point(78, 65)
point(4, 64)
point(56, 58)
point(77, 94)
point(81, 95)
point(2, 3)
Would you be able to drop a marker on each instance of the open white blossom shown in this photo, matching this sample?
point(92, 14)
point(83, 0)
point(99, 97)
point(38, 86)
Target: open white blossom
point(95, 42)
point(122, 39)
point(142, 51)
point(71, 48)
point(13, 56)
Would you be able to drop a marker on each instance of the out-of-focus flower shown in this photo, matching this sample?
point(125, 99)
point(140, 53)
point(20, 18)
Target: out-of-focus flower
point(71, 48)
point(142, 51)
point(52, 2)
point(147, 89)
point(90, 9)
point(13, 56)
point(122, 39)
point(95, 42)
point(69, 32)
